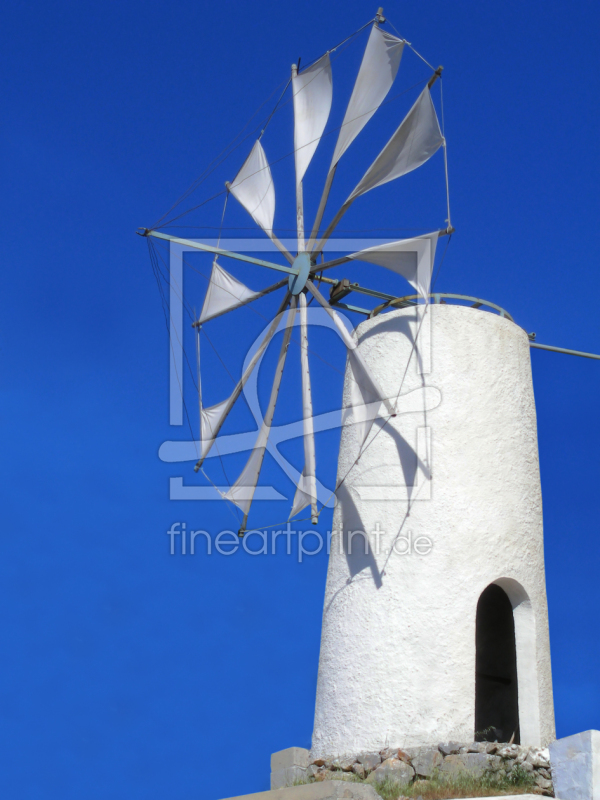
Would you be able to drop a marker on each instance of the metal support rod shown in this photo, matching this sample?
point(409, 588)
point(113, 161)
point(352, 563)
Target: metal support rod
point(281, 247)
point(356, 309)
point(356, 288)
point(321, 210)
point(263, 293)
point(564, 350)
point(299, 198)
point(300, 217)
point(332, 225)
point(344, 259)
point(218, 251)
point(329, 264)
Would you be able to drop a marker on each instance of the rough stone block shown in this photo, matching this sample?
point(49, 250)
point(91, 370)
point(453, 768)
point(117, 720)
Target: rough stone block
point(369, 760)
point(290, 757)
point(508, 751)
point(344, 764)
point(477, 747)
point(539, 758)
point(575, 764)
point(393, 769)
point(449, 748)
point(359, 770)
point(473, 763)
point(427, 762)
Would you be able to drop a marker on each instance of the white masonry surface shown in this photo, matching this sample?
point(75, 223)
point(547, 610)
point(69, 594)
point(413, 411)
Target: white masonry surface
point(397, 663)
point(576, 766)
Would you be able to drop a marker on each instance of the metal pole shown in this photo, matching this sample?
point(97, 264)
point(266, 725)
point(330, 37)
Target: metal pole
point(218, 251)
point(299, 198)
point(332, 225)
point(564, 350)
point(321, 211)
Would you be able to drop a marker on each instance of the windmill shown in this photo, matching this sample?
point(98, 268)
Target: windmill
point(376, 689)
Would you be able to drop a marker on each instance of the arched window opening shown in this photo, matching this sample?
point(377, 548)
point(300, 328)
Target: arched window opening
point(496, 685)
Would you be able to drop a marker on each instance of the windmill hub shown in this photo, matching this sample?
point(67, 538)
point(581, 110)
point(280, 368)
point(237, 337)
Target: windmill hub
point(301, 266)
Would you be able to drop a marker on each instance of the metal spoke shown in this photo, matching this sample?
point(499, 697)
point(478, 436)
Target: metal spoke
point(219, 252)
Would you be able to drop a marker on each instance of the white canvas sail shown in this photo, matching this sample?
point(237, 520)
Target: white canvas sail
point(304, 494)
point(253, 188)
point(411, 258)
point(313, 92)
point(375, 78)
point(211, 420)
point(224, 293)
point(417, 138)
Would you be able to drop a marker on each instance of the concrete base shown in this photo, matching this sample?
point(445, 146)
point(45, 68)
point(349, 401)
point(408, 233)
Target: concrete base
point(575, 764)
point(287, 766)
point(341, 790)
point(325, 790)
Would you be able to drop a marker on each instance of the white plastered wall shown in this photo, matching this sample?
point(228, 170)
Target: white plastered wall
point(397, 663)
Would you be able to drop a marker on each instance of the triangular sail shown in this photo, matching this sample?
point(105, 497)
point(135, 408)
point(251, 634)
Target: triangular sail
point(417, 138)
point(306, 492)
point(366, 394)
point(224, 293)
point(375, 78)
point(313, 92)
point(242, 492)
point(211, 421)
point(253, 188)
point(411, 258)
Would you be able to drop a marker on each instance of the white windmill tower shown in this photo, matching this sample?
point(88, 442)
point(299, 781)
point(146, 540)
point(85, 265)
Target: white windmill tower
point(435, 621)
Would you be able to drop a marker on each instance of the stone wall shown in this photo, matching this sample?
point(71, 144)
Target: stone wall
point(417, 763)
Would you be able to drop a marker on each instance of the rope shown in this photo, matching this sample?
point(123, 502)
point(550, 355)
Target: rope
point(270, 117)
point(424, 60)
point(222, 218)
point(208, 170)
point(164, 307)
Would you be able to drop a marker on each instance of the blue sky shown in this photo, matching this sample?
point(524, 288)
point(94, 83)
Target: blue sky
point(133, 674)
